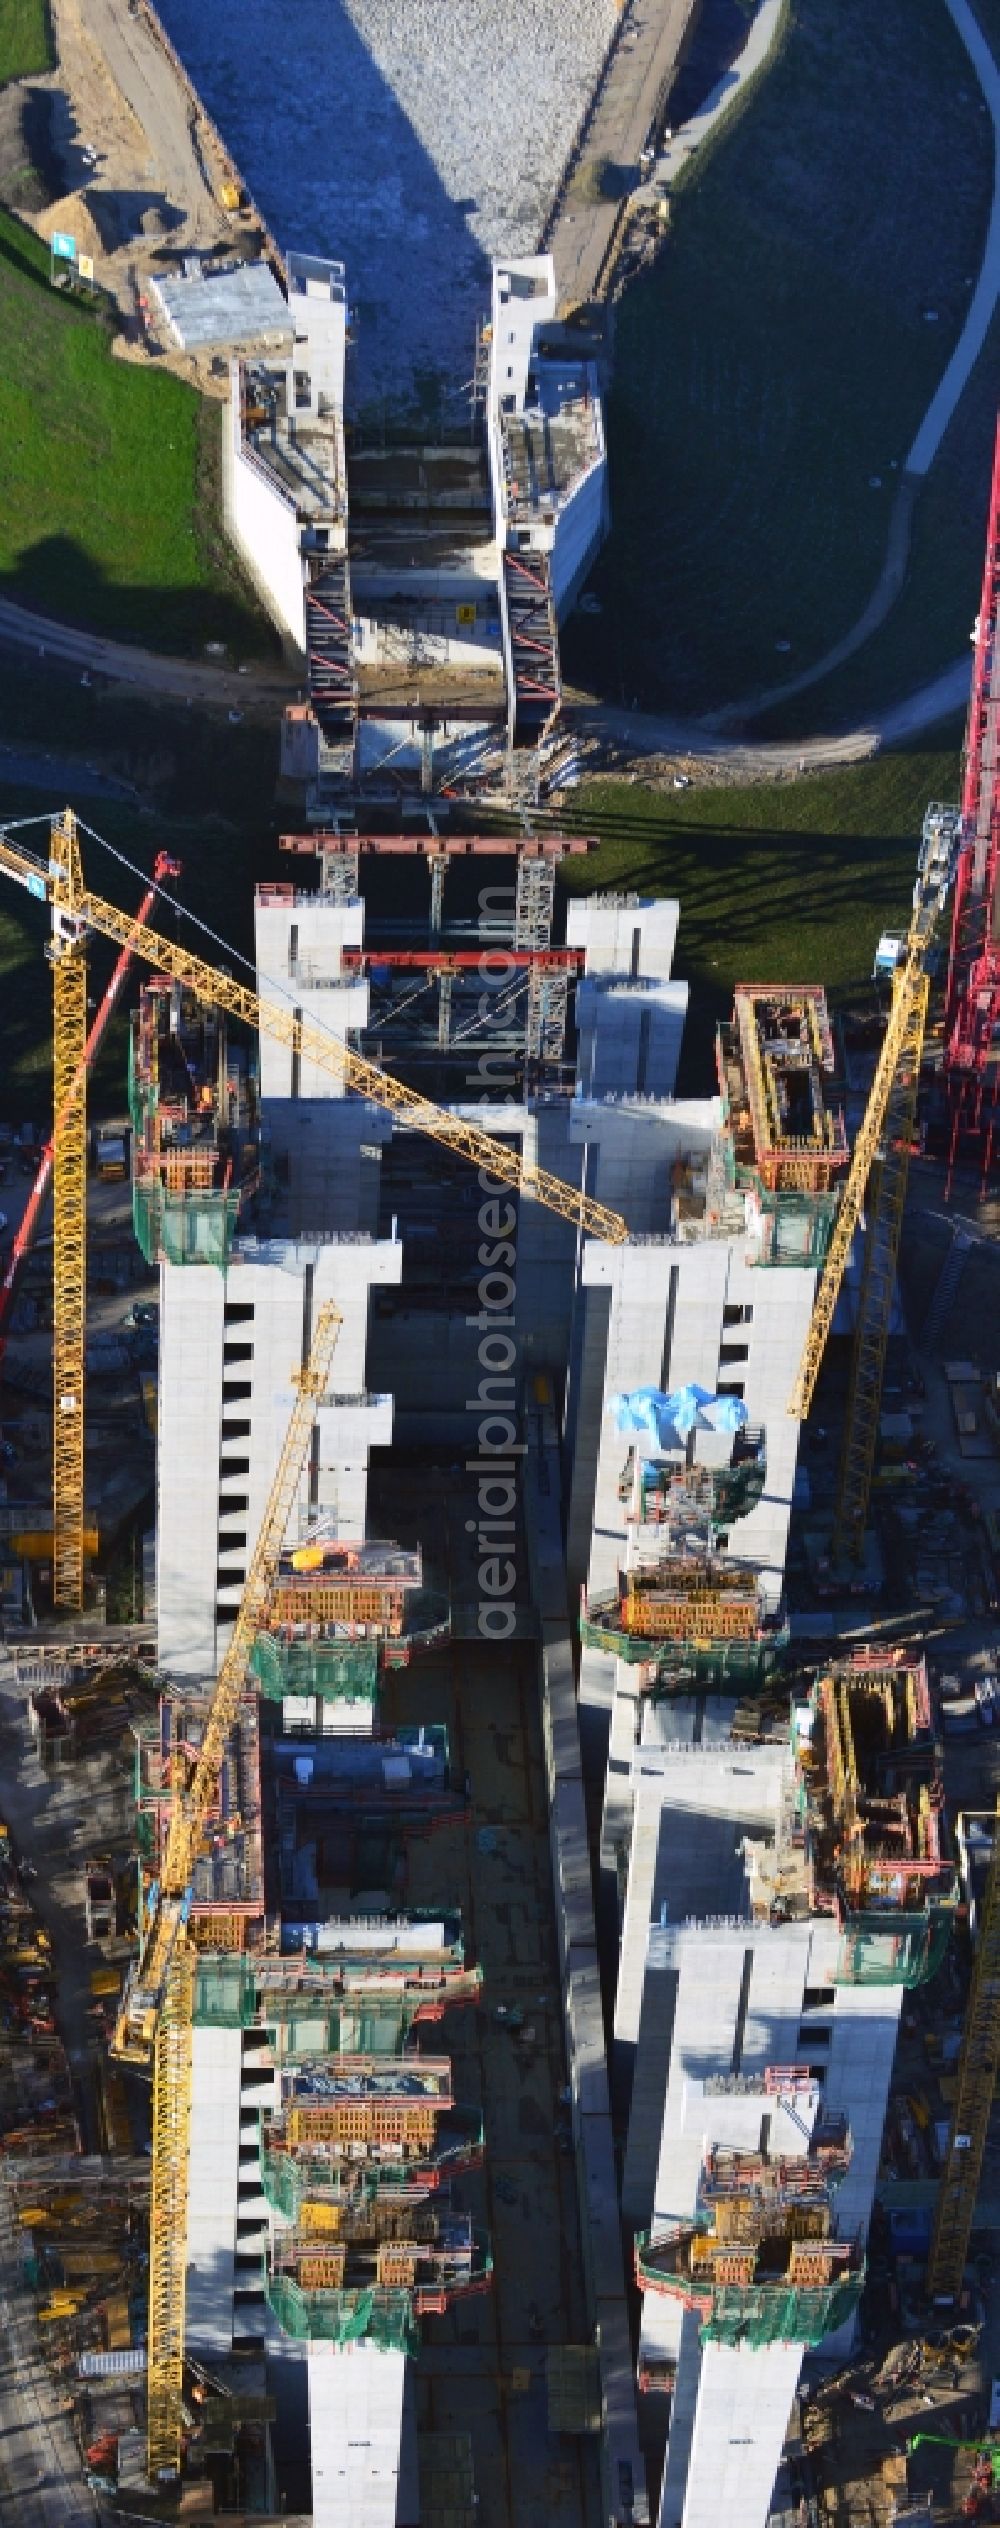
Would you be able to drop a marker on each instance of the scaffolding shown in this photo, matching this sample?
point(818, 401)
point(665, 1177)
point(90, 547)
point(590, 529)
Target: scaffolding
point(696, 1503)
point(314, 2194)
point(760, 2262)
point(694, 1614)
point(195, 1143)
point(774, 1061)
point(817, 2293)
point(327, 1670)
point(384, 2318)
point(534, 901)
point(358, 1585)
point(871, 1820)
point(430, 2250)
point(294, 2172)
point(783, 1144)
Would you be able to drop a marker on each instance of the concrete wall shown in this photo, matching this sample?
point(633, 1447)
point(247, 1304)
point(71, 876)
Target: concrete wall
point(425, 623)
point(213, 2187)
point(430, 1361)
point(264, 528)
point(736, 1993)
point(327, 1154)
point(298, 952)
point(629, 1036)
point(356, 2398)
point(744, 2400)
point(516, 314)
point(667, 1327)
point(622, 2467)
point(628, 936)
point(317, 301)
point(218, 1448)
point(582, 522)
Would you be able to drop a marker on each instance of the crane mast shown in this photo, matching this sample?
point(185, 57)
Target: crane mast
point(909, 997)
point(68, 956)
point(190, 1804)
point(58, 882)
point(156, 2014)
point(272, 1018)
point(972, 1000)
point(880, 1165)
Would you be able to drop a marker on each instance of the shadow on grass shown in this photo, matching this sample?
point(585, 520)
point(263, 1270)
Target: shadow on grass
point(55, 577)
point(208, 793)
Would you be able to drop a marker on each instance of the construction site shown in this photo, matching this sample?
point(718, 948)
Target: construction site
point(499, 1560)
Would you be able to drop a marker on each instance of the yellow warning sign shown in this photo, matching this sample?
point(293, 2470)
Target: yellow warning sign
point(466, 614)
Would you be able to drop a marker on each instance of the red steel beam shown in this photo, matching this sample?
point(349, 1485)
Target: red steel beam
point(460, 960)
point(436, 847)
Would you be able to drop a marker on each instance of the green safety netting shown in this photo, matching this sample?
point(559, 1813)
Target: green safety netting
point(306, 2031)
point(755, 2313)
point(333, 1670)
point(679, 1664)
point(141, 1096)
point(880, 1949)
point(797, 1228)
point(291, 2179)
point(193, 1228)
point(223, 1993)
point(778, 2313)
point(384, 2318)
point(734, 1490)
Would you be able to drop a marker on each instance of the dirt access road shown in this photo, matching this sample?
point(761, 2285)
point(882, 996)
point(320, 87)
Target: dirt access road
point(267, 687)
point(135, 167)
point(640, 72)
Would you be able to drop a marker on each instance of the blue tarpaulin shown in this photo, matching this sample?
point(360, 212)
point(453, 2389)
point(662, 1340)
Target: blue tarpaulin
point(666, 1420)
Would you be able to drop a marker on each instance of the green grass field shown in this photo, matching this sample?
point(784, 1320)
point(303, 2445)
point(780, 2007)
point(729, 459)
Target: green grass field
point(783, 882)
point(109, 511)
point(932, 619)
point(26, 46)
point(778, 357)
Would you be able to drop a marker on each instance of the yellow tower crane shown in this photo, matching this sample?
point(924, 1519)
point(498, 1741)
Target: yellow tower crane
point(76, 910)
point(68, 955)
point(880, 1163)
point(155, 2019)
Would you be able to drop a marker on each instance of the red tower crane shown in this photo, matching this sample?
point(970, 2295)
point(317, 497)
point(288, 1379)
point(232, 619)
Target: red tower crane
point(972, 1008)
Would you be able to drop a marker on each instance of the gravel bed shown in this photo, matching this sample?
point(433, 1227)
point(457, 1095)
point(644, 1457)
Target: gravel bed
point(411, 139)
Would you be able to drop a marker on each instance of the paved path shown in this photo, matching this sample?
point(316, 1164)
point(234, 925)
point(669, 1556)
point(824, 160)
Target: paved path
point(38, 768)
point(987, 290)
point(633, 91)
point(736, 758)
point(982, 305)
point(180, 679)
point(760, 43)
point(136, 62)
point(888, 587)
